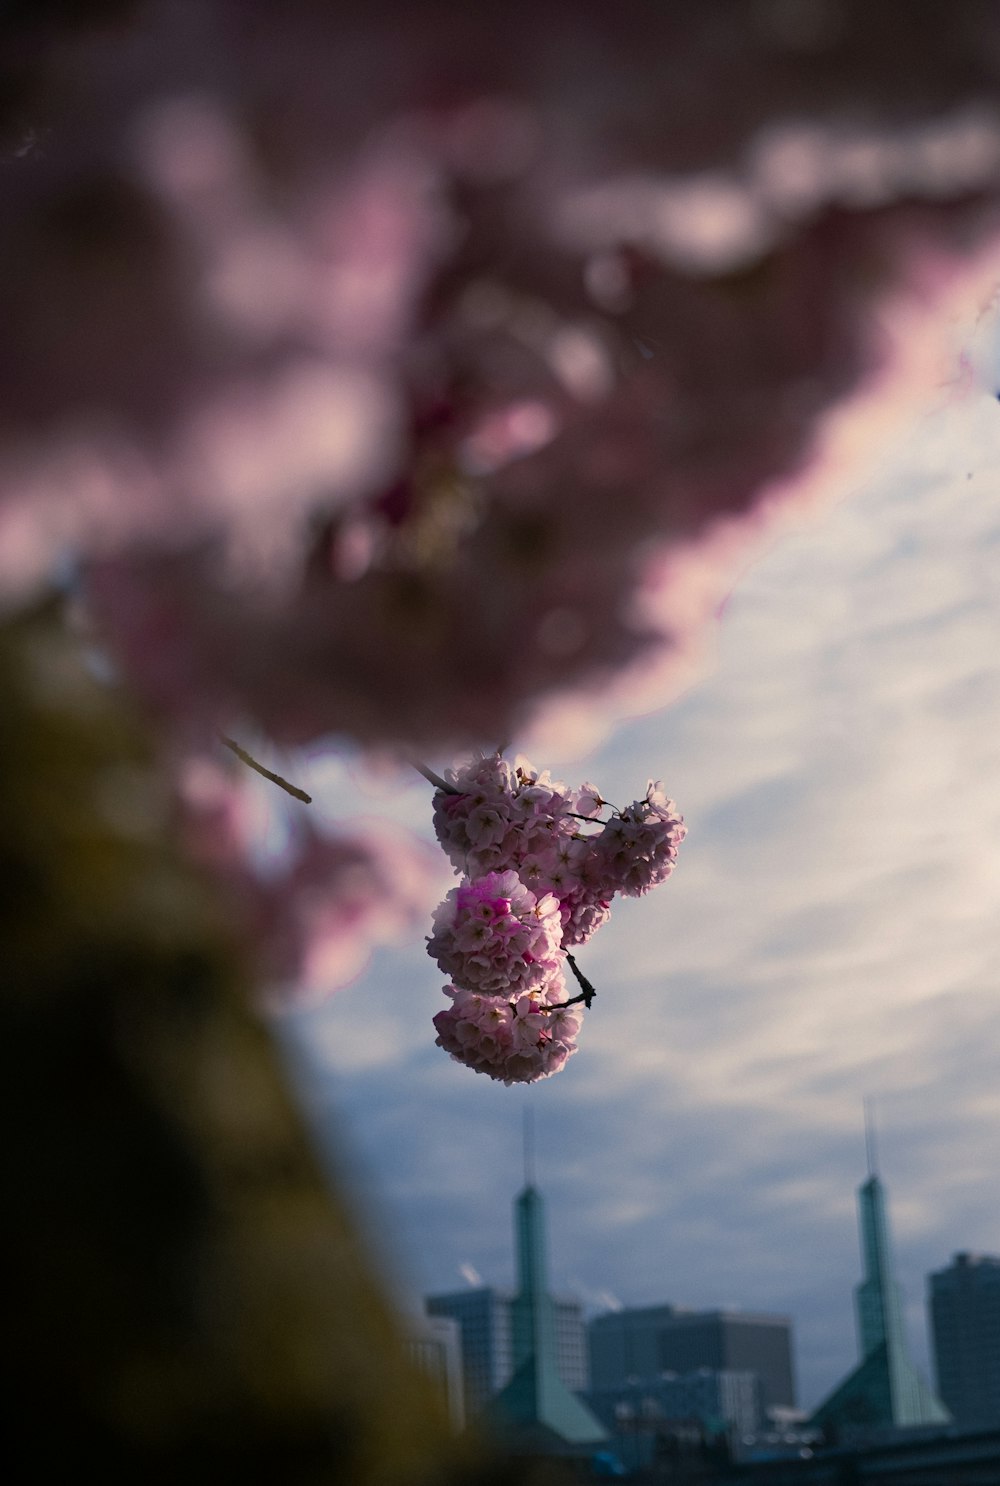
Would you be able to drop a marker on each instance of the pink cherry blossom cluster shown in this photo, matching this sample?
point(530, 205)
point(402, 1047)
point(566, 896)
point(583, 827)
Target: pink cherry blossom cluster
point(513, 1041)
point(494, 935)
point(541, 867)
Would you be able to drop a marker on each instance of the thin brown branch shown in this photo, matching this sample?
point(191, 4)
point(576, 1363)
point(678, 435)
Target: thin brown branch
point(251, 763)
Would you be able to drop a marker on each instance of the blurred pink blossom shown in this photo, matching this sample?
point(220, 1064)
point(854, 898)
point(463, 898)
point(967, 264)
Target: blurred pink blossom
point(416, 374)
point(309, 914)
point(354, 334)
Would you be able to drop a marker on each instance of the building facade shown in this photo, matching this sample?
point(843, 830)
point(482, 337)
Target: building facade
point(624, 1345)
point(720, 1400)
point(571, 1343)
point(434, 1343)
point(639, 1345)
point(485, 1319)
point(965, 1325)
point(484, 1322)
point(733, 1341)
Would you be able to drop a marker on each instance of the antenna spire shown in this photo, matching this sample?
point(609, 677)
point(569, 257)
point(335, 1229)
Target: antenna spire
point(869, 1109)
point(529, 1147)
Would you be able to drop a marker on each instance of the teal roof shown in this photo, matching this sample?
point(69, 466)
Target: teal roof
point(884, 1389)
point(538, 1406)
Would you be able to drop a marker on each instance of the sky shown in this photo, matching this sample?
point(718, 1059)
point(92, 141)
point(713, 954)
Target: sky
point(831, 932)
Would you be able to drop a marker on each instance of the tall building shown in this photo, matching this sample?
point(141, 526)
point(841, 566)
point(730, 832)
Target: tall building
point(495, 1324)
point(885, 1388)
point(536, 1410)
point(965, 1321)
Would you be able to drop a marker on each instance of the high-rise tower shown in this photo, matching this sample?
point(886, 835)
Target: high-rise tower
point(536, 1408)
point(885, 1388)
point(532, 1322)
point(877, 1299)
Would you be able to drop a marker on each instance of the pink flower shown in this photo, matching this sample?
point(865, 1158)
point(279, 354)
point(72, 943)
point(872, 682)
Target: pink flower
point(503, 817)
point(638, 848)
point(493, 935)
point(582, 915)
point(587, 800)
point(516, 1041)
point(473, 822)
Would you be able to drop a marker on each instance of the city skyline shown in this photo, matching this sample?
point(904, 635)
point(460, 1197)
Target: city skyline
point(829, 933)
point(669, 1347)
point(599, 1304)
point(877, 1297)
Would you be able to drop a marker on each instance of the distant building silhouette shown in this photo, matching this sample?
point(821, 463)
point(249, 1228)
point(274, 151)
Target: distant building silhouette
point(643, 1343)
point(965, 1320)
point(733, 1341)
point(885, 1388)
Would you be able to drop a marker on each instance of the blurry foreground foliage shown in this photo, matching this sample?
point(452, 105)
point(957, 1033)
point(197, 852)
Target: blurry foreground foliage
point(189, 1301)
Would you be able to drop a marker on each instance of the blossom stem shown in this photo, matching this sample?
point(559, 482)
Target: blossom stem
point(433, 778)
point(251, 763)
point(586, 988)
point(587, 992)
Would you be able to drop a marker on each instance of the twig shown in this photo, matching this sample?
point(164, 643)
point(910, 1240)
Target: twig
point(587, 992)
point(433, 778)
point(251, 763)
